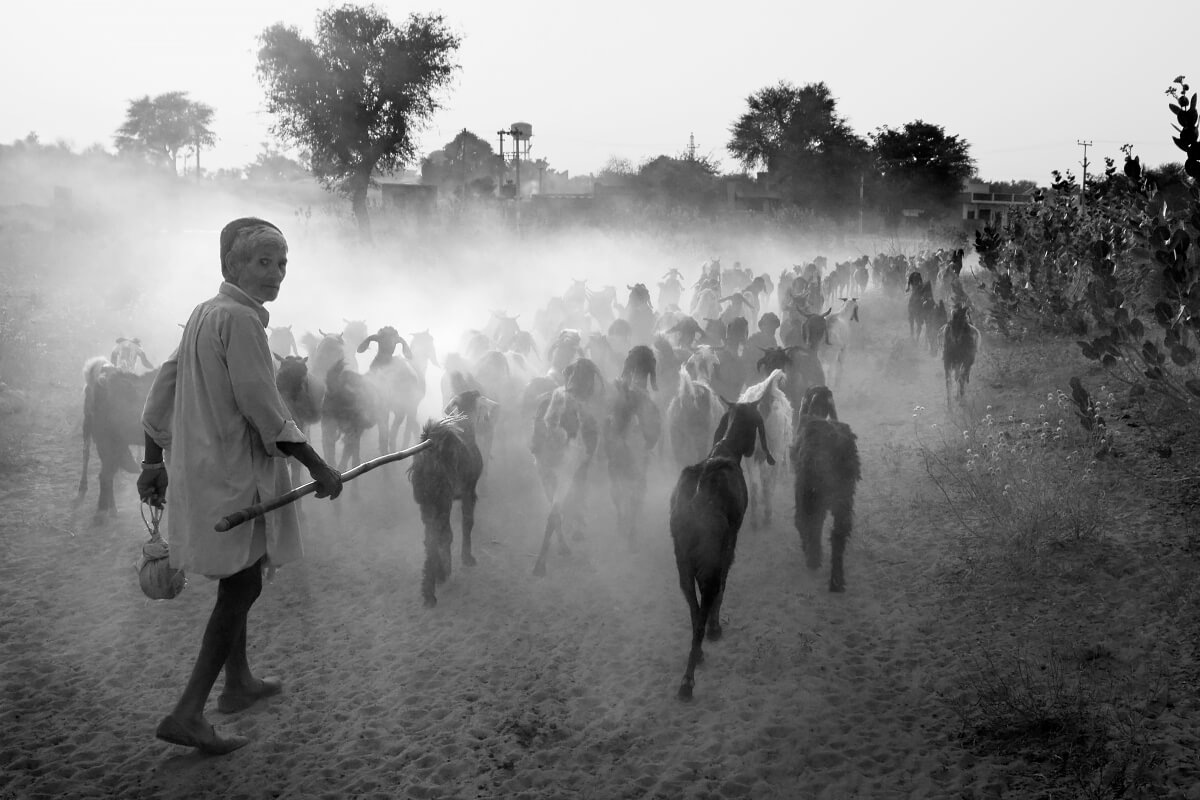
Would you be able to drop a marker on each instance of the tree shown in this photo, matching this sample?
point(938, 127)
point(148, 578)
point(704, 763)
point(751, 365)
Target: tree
point(466, 163)
point(809, 152)
point(272, 165)
point(921, 166)
point(355, 95)
point(158, 128)
point(688, 182)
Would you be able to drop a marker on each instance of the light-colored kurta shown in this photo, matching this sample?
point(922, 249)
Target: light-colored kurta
point(214, 408)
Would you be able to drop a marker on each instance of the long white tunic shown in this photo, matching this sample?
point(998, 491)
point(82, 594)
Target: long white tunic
point(214, 408)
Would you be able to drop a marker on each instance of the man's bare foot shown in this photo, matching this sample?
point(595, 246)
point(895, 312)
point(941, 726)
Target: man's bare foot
point(198, 734)
point(233, 700)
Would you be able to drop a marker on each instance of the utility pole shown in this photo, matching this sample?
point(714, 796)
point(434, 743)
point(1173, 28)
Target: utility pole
point(503, 165)
point(1083, 186)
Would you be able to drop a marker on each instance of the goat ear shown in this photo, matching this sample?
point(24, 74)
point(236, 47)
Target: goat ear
point(362, 347)
point(404, 348)
point(278, 357)
point(304, 360)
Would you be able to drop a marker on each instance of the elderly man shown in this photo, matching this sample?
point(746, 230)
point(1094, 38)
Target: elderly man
point(214, 407)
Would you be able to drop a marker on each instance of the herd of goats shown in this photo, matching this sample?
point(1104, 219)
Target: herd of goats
point(591, 383)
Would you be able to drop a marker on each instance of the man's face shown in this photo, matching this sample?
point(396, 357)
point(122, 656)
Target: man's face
point(261, 276)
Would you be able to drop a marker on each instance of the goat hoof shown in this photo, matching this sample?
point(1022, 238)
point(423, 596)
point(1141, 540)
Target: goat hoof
point(539, 569)
point(837, 586)
point(430, 601)
point(468, 560)
point(714, 633)
point(685, 692)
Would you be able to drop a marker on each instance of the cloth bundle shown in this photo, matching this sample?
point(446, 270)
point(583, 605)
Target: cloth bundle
point(155, 575)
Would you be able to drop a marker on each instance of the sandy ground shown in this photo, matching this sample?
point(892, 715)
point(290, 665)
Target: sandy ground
point(559, 687)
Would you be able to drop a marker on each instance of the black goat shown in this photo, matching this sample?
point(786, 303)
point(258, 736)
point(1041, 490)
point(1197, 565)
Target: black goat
point(565, 436)
point(449, 470)
point(825, 459)
point(933, 327)
point(960, 343)
point(641, 368)
point(920, 304)
point(627, 446)
point(350, 408)
point(707, 508)
point(802, 366)
point(112, 417)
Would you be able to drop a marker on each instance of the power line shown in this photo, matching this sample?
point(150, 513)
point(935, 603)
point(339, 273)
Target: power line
point(1083, 187)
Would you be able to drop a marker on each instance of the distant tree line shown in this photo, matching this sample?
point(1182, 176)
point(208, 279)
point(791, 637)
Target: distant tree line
point(352, 98)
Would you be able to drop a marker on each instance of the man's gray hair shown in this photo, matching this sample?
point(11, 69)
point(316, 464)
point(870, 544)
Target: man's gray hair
point(240, 237)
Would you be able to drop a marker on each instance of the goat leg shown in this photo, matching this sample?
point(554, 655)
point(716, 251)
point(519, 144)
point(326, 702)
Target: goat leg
point(468, 525)
point(687, 582)
point(553, 522)
point(842, 521)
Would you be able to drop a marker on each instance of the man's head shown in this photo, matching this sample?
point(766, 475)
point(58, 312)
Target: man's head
point(254, 257)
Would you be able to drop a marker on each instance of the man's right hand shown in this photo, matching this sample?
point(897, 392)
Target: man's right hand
point(152, 486)
point(329, 480)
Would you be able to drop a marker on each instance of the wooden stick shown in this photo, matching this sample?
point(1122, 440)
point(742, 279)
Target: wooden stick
point(258, 509)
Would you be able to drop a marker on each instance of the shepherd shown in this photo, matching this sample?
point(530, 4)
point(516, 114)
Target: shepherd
point(215, 410)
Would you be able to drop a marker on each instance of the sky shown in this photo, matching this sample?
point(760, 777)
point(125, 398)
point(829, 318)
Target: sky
point(1021, 81)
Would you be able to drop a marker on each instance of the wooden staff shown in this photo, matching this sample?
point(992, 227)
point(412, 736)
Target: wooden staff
point(258, 509)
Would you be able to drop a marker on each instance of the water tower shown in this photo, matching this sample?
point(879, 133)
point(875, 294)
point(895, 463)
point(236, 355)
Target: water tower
point(520, 133)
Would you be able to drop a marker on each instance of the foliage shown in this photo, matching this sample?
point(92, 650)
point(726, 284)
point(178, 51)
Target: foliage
point(466, 165)
point(919, 165)
point(680, 182)
point(1114, 259)
point(356, 94)
point(272, 165)
point(810, 152)
point(159, 128)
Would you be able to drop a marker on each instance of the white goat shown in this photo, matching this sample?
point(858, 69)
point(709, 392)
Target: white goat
point(761, 473)
point(837, 336)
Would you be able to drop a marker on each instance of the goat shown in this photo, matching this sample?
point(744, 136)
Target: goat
point(802, 366)
point(281, 341)
point(302, 393)
point(399, 386)
point(695, 410)
point(350, 408)
point(565, 435)
point(824, 457)
point(449, 470)
point(837, 337)
point(938, 317)
point(670, 289)
point(960, 344)
point(112, 417)
point(639, 313)
point(920, 303)
point(708, 504)
point(776, 411)
point(862, 274)
point(641, 368)
point(627, 447)
point(128, 354)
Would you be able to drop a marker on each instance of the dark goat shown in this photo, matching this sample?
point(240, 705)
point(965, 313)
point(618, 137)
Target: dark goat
point(641, 368)
point(565, 435)
point(920, 304)
point(639, 313)
point(350, 408)
point(112, 417)
point(449, 470)
point(627, 445)
point(802, 366)
point(960, 343)
point(824, 457)
point(933, 327)
point(707, 508)
point(303, 394)
point(694, 412)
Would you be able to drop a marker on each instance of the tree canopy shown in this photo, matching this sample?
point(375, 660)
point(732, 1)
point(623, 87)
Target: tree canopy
point(466, 164)
point(920, 165)
point(356, 94)
point(809, 152)
point(158, 128)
